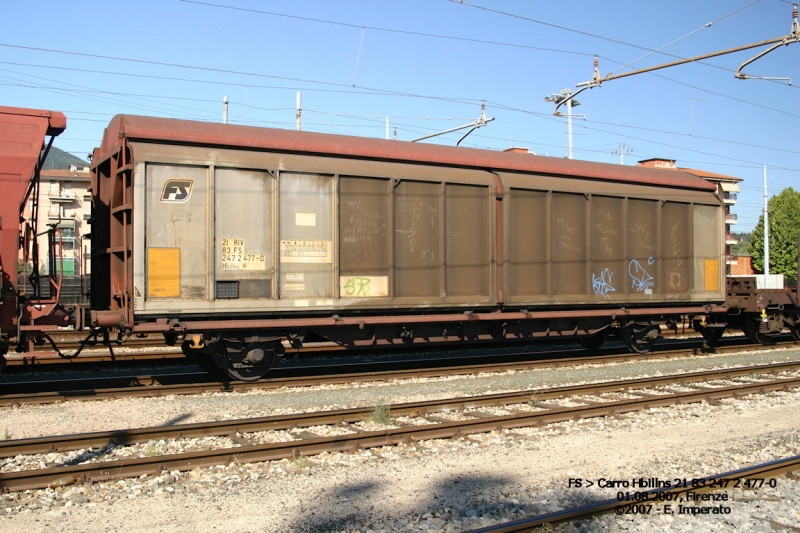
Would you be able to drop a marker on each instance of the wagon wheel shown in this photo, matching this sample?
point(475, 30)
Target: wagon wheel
point(246, 360)
point(753, 331)
point(640, 337)
point(594, 342)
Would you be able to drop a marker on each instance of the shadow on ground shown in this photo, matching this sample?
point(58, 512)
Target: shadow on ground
point(377, 505)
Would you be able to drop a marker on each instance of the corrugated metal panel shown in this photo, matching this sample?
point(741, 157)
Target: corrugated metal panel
point(608, 246)
point(417, 241)
point(528, 242)
point(360, 206)
point(306, 248)
point(467, 241)
point(676, 248)
point(643, 232)
point(569, 238)
point(364, 245)
point(177, 218)
point(243, 238)
point(707, 246)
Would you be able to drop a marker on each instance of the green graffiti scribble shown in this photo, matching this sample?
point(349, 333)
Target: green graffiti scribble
point(357, 287)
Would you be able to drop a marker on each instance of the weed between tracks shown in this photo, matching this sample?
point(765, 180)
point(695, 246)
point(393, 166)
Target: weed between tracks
point(535, 399)
point(381, 414)
point(6, 434)
point(299, 460)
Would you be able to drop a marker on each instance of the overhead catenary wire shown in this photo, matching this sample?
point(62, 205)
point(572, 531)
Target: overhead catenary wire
point(619, 125)
point(387, 30)
point(481, 41)
point(496, 104)
point(580, 32)
point(542, 115)
point(593, 83)
point(701, 28)
point(345, 88)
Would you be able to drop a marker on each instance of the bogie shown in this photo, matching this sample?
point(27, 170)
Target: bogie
point(640, 337)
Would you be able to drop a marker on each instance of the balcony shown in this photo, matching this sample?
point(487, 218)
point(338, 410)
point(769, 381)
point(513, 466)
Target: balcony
point(731, 218)
point(66, 239)
point(730, 198)
point(67, 223)
point(730, 240)
point(61, 196)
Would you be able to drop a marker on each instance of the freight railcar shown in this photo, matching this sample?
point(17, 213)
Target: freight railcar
point(762, 314)
point(232, 240)
point(22, 154)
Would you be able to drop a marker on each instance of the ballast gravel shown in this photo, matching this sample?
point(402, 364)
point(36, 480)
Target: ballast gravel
point(434, 486)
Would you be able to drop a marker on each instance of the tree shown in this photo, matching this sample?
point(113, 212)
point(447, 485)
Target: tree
point(784, 226)
point(742, 245)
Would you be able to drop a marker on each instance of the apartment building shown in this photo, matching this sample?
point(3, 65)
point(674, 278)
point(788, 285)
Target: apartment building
point(65, 203)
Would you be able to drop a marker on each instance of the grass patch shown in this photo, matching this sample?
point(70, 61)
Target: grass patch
point(299, 460)
point(381, 414)
point(6, 434)
point(535, 399)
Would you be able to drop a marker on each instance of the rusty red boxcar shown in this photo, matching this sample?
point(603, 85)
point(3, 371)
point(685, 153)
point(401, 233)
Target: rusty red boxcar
point(235, 239)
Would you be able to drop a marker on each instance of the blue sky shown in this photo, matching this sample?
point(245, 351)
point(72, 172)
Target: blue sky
point(427, 65)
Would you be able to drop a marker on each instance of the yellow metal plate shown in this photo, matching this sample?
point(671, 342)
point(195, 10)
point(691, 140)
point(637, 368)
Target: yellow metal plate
point(712, 275)
point(163, 272)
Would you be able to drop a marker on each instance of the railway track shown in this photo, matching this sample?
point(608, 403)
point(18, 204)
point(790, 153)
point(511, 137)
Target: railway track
point(451, 418)
point(69, 342)
point(762, 471)
point(104, 387)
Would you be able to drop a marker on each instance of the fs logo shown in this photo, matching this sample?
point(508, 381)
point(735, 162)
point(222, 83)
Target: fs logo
point(177, 191)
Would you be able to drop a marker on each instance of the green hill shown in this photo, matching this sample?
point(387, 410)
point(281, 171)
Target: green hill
point(61, 160)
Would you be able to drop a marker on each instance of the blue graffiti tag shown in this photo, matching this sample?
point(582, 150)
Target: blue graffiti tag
point(641, 280)
point(602, 283)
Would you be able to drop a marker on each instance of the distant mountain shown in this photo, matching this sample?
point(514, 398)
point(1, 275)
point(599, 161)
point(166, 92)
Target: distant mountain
point(61, 160)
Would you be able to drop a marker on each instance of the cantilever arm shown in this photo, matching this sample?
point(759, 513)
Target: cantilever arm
point(789, 39)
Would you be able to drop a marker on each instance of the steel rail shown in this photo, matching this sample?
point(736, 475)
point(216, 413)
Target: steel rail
point(292, 421)
point(104, 471)
point(100, 353)
point(45, 355)
point(771, 469)
point(155, 386)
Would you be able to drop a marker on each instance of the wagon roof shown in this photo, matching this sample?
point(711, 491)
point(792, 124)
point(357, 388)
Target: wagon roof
point(151, 129)
point(22, 133)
